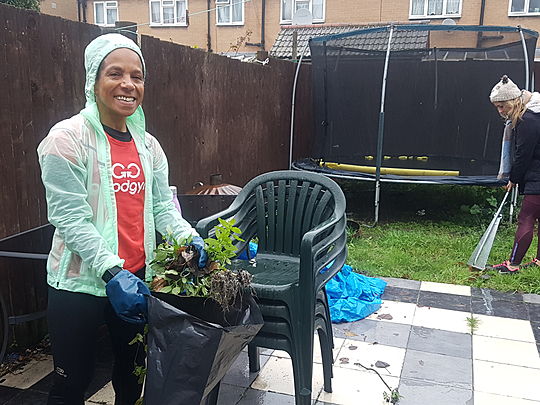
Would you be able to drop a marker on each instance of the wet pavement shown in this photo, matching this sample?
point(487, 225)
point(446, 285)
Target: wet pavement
point(437, 343)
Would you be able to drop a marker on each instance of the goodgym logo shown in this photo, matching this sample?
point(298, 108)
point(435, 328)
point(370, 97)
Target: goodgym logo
point(125, 178)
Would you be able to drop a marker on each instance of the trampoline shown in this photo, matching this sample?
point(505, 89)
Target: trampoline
point(413, 98)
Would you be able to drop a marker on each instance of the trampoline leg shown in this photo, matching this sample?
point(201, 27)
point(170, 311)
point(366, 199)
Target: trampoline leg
point(513, 203)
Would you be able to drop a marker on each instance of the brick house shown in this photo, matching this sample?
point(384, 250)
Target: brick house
point(251, 25)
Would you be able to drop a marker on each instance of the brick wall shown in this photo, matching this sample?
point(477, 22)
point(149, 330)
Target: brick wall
point(60, 8)
point(337, 11)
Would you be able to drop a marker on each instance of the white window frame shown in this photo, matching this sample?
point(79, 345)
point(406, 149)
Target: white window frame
point(182, 23)
point(434, 16)
point(289, 21)
point(229, 3)
point(107, 5)
point(525, 11)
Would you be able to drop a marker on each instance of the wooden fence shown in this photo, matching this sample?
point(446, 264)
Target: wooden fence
point(210, 113)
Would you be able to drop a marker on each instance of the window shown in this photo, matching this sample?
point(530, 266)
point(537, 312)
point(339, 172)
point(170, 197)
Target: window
point(105, 13)
point(168, 12)
point(289, 7)
point(230, 12)
point(435, 8)
point(524, 7)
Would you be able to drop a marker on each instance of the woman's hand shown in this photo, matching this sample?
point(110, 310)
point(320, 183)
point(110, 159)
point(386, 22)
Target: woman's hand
point(509, 186)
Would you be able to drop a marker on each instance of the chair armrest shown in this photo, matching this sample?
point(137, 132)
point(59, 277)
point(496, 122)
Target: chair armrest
point(332, 248)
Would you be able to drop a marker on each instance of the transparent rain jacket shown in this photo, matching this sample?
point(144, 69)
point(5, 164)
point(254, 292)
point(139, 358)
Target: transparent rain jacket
point(76, 171)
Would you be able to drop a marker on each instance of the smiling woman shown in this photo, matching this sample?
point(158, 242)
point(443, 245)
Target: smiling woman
point(119, 88)
point(95, 168)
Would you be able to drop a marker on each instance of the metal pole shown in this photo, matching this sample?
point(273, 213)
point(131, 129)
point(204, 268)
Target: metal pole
point(526, 57)
point(513, 203)
point(293, 103)
point(381, 129)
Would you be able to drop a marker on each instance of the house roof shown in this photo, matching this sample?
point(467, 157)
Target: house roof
point(282, 48)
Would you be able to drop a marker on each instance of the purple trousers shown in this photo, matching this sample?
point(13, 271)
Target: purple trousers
point(528, 216)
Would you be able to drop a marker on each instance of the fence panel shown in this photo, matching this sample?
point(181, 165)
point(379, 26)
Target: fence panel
point(211, 114)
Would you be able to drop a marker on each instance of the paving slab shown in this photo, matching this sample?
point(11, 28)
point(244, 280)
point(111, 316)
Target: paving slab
point(367, 330)
point(239, 374)
point(446, 288)
point(400, 294)
point(438, 369)
point(440, 342)
point(414, 392)
point(534, 312)
point(531, 298)
point(230, 394)
point(444, 301)
point(505, 309)
point(402, 283)
point(259, 397)
point(496, 295)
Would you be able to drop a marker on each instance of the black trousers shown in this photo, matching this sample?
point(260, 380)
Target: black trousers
point(74, 320)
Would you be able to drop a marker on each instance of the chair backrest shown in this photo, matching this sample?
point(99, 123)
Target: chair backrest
point(280, 207)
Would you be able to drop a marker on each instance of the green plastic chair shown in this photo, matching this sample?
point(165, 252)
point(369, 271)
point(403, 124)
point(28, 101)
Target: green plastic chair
point(299, 221)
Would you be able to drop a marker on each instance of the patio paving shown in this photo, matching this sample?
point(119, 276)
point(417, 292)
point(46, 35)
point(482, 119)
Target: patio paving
point(421, 332)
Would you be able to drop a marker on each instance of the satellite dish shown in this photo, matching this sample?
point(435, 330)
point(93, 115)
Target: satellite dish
point(448, 21)
point(302, 17)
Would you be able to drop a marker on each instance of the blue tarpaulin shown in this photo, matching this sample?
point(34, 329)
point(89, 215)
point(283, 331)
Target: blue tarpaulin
point(351, 296)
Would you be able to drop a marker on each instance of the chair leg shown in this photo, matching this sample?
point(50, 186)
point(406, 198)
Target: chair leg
point(302, 393)
point(327, 359)
point(253, 356)
point(329, 320)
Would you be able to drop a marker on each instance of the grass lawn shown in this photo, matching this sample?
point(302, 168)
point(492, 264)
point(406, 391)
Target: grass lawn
point(428, 233)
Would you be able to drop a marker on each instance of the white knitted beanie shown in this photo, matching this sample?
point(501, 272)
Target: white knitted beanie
point(505, 90)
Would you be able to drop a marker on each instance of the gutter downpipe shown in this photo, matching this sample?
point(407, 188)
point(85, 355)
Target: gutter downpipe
point(208, 36)
point(482, 12)
point(381, 129)
point(263, 17)
point(481, 22)
point(293, 102)
point(261, 44)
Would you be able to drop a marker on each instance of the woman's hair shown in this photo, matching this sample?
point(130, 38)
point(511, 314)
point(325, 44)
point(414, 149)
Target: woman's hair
point(517, 109)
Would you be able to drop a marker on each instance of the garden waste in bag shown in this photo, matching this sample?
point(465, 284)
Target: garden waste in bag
point(192, 343)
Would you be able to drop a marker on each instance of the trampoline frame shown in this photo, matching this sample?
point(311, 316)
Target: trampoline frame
point(390, 28)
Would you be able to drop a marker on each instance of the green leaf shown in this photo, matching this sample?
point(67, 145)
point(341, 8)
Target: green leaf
point(166, 289)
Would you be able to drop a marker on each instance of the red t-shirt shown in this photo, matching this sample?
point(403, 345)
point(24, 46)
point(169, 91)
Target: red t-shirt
point(129, 185)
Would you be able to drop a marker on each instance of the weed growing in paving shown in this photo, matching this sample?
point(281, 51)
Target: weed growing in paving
point(473, 323)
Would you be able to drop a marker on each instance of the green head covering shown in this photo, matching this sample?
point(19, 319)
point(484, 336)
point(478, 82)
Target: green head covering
point(94, 54)
point(96, 51)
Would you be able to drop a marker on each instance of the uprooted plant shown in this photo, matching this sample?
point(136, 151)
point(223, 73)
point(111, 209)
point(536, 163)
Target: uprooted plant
point(177, 271)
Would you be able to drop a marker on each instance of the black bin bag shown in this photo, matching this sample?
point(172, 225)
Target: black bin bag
point(192, 343)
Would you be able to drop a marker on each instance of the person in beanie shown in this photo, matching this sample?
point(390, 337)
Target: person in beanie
point(521, 110)
point(107, 191)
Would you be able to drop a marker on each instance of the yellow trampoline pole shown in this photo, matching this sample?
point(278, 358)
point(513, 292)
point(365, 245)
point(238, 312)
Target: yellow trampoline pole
point(390, 170)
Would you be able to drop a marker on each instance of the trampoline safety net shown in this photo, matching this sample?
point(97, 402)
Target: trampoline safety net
point(437, 114)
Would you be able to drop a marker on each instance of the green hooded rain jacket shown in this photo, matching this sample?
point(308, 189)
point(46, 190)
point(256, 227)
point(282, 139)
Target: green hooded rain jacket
point(76, 171)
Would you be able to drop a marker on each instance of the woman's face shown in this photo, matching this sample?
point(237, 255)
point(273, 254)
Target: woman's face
point(503, 107)
point(119, 88)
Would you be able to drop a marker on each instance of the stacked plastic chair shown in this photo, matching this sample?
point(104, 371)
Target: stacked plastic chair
point(298, 220)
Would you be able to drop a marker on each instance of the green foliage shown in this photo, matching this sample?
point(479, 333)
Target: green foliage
point(438, 252)
point(487, 208)
point(221, 248)
point(473, 323)
point(28, 4)
point(178, 273)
